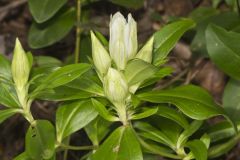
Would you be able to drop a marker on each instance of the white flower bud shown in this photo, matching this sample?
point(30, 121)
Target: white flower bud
point(101, 58)
point(146, 52)
point(116, 43)
point(115, 86)
point(130, 38)
point(20, 66)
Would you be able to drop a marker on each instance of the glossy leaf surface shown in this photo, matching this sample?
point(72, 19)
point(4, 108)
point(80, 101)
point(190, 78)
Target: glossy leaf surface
point(167, 37)
point(121, 144)
point(46, 34)
point(40, 140)
point(72, 117)
point(223, 49)
point(44, 9)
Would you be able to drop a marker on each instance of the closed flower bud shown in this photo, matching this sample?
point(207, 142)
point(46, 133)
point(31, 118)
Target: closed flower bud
point(130, 36)
point(20, 66)
point(116, 43)
point(115, 86)
point(101, 58)
point(146, 52)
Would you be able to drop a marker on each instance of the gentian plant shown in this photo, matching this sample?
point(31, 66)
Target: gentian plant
point(114, 100)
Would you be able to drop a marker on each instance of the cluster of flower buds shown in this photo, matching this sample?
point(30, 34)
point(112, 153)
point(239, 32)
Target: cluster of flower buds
point(123, 47)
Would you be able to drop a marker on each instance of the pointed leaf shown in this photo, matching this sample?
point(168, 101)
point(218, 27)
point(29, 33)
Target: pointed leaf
point(194, 126)
point(62, 76)
point(146, 113)
point(223, 49)
point(193, 101)
point(5, 69)
point(44, 9)
point(231, 102)
point(138, 70)
point(40, 140)
point(46, 34)
point(167, 37)
point(8, 96)
point(103, 112)
point(121, 144)
point(6, 113)
point(198, 149)
point(172, 114)
point(72, 117)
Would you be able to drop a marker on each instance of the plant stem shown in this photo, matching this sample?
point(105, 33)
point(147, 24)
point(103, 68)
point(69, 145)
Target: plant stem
point(78, 32)
point(122, 113)
point(77, 147)
point(66, 150)
point(238, 7)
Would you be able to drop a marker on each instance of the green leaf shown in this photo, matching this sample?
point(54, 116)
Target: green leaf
point(161, 73)
point(158, 150)
point(44, 9)
point(167, 37)
point(72, 117)
point(221, 131)
point(122, 144)
point(40, 140)
point(206, 140)
point(22, 156)
point(47, 61)
point(150, 132)
point(8, 96)
point(46, 34)
point(194, 126)
point(231, 101)
point(103, 112)
point(198, 149)
point(62, 76)
point(173, 115)
point(144, 114)
point(138, 70)
point(97, 130)
point(221, 149)
point(129, 3)
point(63, 93)
point(6, 113)
point(193, 101)
point(212, 16)
point(5, 69)
point(86, 84)
point(223, 49)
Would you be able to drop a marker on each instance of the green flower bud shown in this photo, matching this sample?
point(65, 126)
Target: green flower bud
point(146, 52)
point(131, 44)
point(115, 86)
point(116, 42)
point(101, 58)
point(20, 66)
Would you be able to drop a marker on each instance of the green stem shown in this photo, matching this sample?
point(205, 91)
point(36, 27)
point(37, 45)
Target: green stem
point(122, 113)
point(66, 150)
point(77, 147)
point(78, 32)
